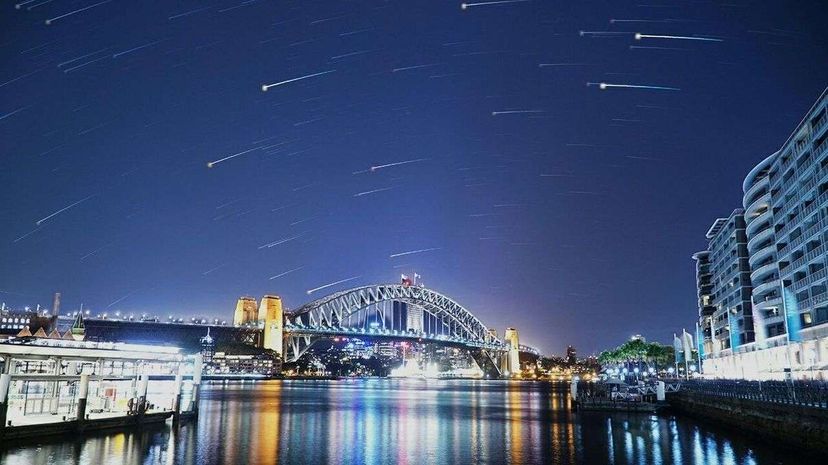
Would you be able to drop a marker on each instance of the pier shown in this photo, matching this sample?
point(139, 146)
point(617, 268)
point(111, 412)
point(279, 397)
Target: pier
point(59, 386)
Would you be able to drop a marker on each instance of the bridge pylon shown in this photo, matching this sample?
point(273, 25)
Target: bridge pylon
point(511, 359)
point(271, 316)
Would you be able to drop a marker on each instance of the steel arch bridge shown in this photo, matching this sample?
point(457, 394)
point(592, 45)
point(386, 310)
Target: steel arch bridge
point(370, 311)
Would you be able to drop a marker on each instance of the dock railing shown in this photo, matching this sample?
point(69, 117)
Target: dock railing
point(803, 393)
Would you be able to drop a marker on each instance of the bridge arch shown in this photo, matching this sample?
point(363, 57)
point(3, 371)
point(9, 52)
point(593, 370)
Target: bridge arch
point(334, 314)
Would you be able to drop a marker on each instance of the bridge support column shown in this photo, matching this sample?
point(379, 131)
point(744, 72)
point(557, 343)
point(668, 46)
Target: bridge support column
point(573, 389)
point(484, 360)
point(660, 396)
point(179, 381)
point(83, 393)
point(5, 383)
point(143, 404)
point(198, 364)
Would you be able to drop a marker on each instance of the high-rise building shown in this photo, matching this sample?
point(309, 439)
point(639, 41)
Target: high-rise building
point(775, 322)
point(271, 315)
point(723, 281)
point(246, 311)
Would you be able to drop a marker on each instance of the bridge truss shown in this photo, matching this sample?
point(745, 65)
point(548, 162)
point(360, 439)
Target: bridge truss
point(371, 312)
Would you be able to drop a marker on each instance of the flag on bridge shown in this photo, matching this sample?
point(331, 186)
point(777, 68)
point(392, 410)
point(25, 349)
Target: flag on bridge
point(405, 280)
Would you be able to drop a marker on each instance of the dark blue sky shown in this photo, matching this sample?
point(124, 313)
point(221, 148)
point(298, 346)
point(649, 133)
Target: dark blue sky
point(574, 222)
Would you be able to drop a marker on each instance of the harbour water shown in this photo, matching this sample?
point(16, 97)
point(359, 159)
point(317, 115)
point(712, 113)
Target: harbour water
point(404, 421)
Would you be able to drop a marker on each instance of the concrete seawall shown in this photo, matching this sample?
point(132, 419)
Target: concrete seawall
point(805, 428)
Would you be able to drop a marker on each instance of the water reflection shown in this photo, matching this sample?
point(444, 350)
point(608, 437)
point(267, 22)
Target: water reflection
point(403, 422)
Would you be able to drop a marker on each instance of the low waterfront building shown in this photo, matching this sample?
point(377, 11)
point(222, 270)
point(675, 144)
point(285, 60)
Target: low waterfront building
point(262, 365)
point(768, 318)
point(60, 385)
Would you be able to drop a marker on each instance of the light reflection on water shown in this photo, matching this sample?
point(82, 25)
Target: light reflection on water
point(404, 422)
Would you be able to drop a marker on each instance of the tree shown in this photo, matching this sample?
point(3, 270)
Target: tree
point(637, 353)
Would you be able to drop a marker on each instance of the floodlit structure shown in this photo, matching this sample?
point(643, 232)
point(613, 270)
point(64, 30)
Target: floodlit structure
point(59, 385)
point(723, 280)
point(246, 311)
point(370, 311)
point(272, 315)
point(768, 318)
point(511, 357)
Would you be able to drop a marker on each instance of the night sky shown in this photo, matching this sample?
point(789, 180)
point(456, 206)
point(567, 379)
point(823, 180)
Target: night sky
point(544, 203)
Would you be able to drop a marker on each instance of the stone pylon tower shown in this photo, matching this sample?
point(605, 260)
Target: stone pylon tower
point(512, 364)
point(246, 312)
point(271, 315)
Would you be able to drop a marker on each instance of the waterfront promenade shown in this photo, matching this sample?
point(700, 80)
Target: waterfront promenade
point(358, 421)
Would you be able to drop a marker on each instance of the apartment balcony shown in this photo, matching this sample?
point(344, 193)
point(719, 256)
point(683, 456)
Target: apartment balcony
point(762, 288)
point(814, 301)
point(818, 127)
point(762, 272)
point(819, 177)
point(759, 237)
point(762, 201)
point(820, 151)
point(807, 234)
point(707, 310)
point(805, 259)
point(756, 187)
point(786, 163)
point(758, 222)
point(762, 254)
point(768, 302)
point(807, 281)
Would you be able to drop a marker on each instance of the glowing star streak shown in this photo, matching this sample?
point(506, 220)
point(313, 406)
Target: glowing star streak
point(13, 112)
point(639, 36)
point(412, 252)
point(216, 162)
point(40, 221)
point(406, 68)
point(27, 234)
point(605, 86)
point(280, 241)
point(311, 291)
point(122, 298)
point(286, 272)
point(50, 20)
point(515, 112)
point(465, 6)
point(268, 86)
point(82, 57)
point(360, 194)
point(388, 165)
point(133, 49)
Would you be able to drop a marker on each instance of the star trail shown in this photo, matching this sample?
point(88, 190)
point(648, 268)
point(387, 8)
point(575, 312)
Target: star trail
point(547, 164)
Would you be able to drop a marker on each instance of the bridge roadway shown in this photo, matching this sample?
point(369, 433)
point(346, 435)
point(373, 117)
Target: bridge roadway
point(379, 311)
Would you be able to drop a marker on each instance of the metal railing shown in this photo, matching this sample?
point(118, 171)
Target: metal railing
point(804, 393)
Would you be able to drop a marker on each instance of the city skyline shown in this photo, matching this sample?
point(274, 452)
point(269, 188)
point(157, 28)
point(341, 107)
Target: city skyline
point(146, 170)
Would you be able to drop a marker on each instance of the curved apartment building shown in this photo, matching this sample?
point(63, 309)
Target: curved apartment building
point(782, 326)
